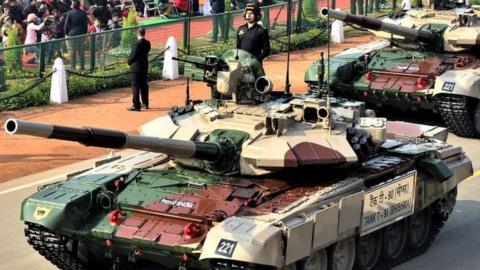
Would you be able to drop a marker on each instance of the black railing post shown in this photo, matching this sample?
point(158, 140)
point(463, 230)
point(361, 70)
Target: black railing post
point(41, 69)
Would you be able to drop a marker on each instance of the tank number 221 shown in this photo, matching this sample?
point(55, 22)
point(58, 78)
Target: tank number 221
point(448, 86)
point(226, 248)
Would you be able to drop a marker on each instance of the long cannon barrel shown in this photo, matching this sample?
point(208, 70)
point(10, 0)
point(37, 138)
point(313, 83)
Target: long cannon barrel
point(115, 139)
point(378, 25)
point(197, 64)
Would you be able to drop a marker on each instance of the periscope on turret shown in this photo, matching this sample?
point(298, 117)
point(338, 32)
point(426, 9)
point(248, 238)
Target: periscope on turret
point(249, 179)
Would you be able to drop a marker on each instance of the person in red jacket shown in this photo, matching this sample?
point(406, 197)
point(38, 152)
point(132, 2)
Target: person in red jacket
point(182, 5)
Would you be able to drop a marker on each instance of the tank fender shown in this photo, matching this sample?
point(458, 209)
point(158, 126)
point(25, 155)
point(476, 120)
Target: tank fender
point(437, 168)
point(458, 82)
point(64, 205)
point(56, 214)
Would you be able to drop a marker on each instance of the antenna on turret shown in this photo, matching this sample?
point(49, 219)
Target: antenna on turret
point(187, 94)
point(236, 55)
point(321, 76)
point(329, 25)
point(289, 33)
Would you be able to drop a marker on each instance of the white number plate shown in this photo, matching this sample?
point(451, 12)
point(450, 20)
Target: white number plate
point(388, 203)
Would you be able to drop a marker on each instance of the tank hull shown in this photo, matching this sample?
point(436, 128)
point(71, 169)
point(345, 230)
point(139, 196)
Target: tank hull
point(302, 208)
point(390, 78)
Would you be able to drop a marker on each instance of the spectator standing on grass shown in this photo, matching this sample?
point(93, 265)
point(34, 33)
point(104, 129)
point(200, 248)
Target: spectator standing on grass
point(47, 35)
point(101, 42)
point(23, 4)
point(218, 8)
point(5, 16)
point(16, 12)
point(115, 36)
point(58, 26)
point(76, 23)
point(7, 25)
point(36, 7)
point(31, 37)
point(138, 62)
point(65, 5)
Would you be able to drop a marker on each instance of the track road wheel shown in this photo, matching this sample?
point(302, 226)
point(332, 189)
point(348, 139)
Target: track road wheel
point(318, 260)
point(444, 206)
point(419, 228)
point(368, 252)
point(342, 255)
point(394, 239)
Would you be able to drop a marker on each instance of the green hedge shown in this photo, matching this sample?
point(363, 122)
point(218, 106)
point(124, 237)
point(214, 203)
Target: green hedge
point(77, 86)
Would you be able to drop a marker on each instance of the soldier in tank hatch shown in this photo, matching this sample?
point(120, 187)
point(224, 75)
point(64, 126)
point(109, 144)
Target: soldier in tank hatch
point(253, 37)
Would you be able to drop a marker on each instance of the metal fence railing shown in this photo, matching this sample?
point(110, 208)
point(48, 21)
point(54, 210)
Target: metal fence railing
point(109, 50)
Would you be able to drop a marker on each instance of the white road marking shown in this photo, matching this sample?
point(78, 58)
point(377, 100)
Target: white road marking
point(36, 183)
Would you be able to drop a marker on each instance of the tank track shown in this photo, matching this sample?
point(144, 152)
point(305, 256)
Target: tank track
point(53, 247)
point(438, 221)
point(437, 224)
point(458, 112)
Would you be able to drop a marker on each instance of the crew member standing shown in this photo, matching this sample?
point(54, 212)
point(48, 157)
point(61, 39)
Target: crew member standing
point(138, 62)
point(253, 37)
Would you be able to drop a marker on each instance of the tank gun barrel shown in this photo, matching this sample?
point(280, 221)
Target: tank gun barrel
point(108, 138)
point(197, 64)
point(378, 25)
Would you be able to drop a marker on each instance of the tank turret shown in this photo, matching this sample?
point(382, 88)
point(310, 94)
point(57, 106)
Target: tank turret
point(236, 75)
point(224, 137)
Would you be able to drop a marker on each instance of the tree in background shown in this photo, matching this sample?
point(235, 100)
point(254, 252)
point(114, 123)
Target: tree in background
point(129, 36)
point(13, 57)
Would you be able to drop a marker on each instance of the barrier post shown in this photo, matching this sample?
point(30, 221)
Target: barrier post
point(41, 68)
point(92, 53)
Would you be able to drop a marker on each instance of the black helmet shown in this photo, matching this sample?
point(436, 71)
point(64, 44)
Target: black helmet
point(255, 9)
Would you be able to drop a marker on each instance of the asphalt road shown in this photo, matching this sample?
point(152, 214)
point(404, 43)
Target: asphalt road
point(457, 246)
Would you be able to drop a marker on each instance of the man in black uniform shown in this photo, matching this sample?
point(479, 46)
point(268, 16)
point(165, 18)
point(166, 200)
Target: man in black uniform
point(138, 62)
point(253, 37)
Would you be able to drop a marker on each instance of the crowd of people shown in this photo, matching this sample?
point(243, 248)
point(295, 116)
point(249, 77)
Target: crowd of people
point(46, 20)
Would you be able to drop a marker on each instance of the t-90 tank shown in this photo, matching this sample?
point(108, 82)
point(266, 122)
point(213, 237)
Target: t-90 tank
point(430, 11)
point(261, 181)
point(430, 65)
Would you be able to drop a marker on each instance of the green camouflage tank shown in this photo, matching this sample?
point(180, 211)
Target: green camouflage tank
point(427, 61)
point(253, 179)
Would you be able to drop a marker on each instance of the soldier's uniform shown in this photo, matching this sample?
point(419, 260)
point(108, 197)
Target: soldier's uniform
point(254, 39)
